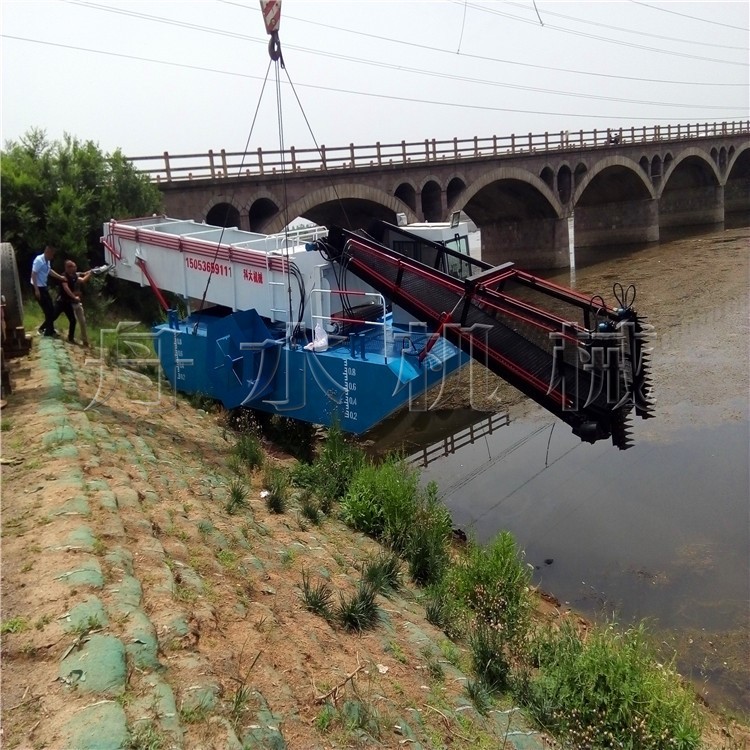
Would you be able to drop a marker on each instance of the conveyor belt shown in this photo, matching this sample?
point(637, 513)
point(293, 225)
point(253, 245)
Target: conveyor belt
point(590, 373)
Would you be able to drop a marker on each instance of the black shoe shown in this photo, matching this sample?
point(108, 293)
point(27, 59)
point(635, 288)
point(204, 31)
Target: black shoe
point(53, 335)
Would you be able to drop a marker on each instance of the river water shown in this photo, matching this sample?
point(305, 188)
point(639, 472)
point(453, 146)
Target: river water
point(660, 531)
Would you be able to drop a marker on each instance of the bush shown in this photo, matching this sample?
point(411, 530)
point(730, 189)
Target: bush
point(359, 612)
point(329, 475)
point(316, 597)
point(249, 450)
point(609, 691)
point(383, 573)
point(493, 582)
point(276, 482)
point(489, 655)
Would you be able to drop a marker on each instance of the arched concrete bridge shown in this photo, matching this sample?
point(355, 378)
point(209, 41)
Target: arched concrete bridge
point(620, 187)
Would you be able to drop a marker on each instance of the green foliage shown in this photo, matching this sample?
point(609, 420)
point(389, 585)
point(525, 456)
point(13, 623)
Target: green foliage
point(309, 507)
point(386, 502)
point(608, 691)
point(493, 582)
point(276, 483)
point(329, 475)
point(237, 496)
point(316, 596)
point(479, 696)
point(359, 612)
point(489, 655)
point(61, 192)
point(248, 449)
point(13, 625)
point(383, 572)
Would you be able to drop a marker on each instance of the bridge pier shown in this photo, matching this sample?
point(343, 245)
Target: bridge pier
point(693, 206)
point(621, 223)
point(531, 243)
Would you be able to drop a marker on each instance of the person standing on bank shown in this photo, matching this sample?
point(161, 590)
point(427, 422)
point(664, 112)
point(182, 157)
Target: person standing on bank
point(70, 301)
point(41, 270)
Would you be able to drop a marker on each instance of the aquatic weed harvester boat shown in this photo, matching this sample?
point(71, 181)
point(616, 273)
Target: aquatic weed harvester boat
point(347, 326)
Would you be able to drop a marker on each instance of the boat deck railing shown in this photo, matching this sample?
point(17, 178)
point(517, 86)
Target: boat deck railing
point(358, 343)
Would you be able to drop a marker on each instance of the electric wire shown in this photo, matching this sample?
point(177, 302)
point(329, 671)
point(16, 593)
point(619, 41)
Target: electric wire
point(391, 97)
point(633, 45)
point(633, 31)
point(694, 18)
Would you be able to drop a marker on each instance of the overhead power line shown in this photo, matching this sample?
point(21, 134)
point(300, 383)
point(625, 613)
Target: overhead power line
point(662, 9)
point(649, 34)
point(485, 58)
point(339, 90)
point(632, 45)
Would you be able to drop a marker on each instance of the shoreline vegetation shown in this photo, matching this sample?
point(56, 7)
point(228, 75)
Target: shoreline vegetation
point(587, 685)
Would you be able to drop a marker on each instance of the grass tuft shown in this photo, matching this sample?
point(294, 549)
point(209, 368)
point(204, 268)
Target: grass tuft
point(276, 483)
point(316, 597)
point(359, 612)
point(237, 496)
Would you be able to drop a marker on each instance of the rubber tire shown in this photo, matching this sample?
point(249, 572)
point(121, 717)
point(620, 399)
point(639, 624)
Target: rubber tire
point(11, 286)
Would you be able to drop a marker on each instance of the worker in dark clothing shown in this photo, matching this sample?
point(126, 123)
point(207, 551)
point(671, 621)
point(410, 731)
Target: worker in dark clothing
point(70, 301)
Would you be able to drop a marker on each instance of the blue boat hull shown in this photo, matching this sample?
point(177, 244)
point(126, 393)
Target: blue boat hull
point(356, 382)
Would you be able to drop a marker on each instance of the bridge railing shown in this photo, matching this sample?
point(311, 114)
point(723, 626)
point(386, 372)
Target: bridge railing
point(225, 164)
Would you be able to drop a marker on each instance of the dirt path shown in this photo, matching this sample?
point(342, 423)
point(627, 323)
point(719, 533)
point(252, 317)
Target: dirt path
point(138, 613)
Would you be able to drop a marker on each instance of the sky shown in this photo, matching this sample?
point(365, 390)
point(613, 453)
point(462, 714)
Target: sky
point(186, 77)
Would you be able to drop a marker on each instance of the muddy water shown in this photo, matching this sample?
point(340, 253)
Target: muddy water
point(660, 531)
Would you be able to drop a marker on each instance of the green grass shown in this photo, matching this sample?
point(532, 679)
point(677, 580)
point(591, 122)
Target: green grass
point(13, 625)
point(386, 502)
point(249, 451)
point(237, 499)
point(383, 572)
point(276, 484)
point(609, 685)
point(358, 612)
point(316, 597)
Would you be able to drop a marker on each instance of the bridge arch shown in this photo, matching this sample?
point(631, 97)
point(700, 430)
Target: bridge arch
point(610, 162)
point(695, 154)
point(453, 190)
point(532, 183)
point(406, 191)
point(431, 199)
point(223, 211)
point(691, 192)
point(260, 208)
point(323, 206)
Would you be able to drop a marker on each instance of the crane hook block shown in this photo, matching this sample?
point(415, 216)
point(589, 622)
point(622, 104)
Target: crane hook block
point(271, 10)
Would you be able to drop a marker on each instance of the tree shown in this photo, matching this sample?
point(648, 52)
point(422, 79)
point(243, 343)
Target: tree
point(61, 192)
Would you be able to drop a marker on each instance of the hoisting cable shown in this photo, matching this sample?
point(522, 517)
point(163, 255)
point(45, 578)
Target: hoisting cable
point(272, 17)
point(234, 190)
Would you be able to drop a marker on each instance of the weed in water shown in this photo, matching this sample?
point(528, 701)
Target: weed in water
point(237, 496)
point(316, 597)
point(14, 625)
point(276, 484)
point(359, 612)
point(383, 572)
point(609, 690)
